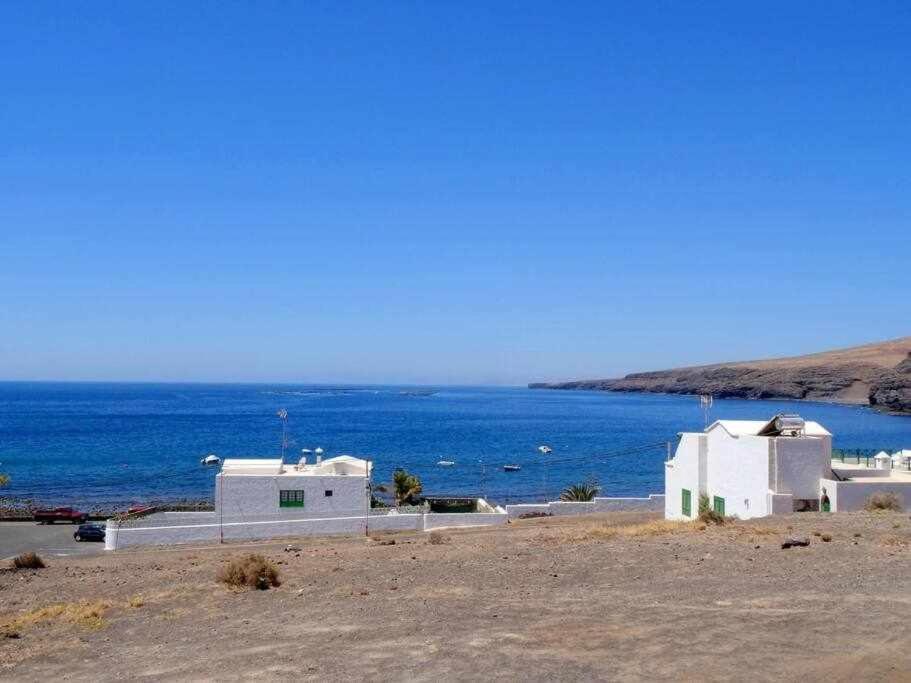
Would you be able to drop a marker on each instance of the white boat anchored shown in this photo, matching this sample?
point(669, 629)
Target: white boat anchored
point(511, 468)
point(446, 463)
point(210, 459)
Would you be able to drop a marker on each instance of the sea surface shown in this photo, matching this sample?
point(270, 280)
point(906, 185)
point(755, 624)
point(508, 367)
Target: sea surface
point(94, 444)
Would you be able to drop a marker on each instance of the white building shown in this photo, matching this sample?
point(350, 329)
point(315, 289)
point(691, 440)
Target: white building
point(260, 489)
point(264, 498)
point(749, 468)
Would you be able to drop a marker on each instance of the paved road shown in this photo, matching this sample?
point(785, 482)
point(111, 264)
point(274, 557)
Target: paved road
point(50, 540)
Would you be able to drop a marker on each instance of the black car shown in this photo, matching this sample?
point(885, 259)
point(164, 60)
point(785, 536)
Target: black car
point(89, 532)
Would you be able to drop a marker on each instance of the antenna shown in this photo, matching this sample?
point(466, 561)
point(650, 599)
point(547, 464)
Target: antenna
point(705, 402)
point(283, 416)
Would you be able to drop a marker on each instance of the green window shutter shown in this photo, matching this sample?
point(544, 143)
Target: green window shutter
point(718, 505)
point(687, 502)
point(290, 499)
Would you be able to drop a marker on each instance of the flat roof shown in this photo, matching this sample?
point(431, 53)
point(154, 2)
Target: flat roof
point(753, 427)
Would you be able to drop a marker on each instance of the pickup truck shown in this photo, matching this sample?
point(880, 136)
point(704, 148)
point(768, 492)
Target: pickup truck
point(50, 516)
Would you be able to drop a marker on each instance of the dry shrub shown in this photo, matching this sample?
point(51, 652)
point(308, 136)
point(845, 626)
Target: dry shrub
point(534, 515)
point(28, 561)
point(438, 538)
point(709, 516)
point(136, 601)
point(250, 571)
point(88, 615)
point(884, 500)
point(895, 541)
point(658, 527)
point(826, 538)
point(757, 530)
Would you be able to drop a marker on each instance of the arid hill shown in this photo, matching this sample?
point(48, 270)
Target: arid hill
point(874, 374)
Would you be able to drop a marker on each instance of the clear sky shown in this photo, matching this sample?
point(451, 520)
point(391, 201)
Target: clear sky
point(448, 192)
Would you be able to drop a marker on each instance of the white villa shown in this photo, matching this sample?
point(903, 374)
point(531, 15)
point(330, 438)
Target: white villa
point(268, 489)
point(749, 468)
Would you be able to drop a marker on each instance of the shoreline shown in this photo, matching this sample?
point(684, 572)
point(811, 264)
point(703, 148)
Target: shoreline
point(558, 386)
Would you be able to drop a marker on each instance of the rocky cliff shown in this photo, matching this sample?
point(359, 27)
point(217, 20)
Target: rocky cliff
point(874, 374)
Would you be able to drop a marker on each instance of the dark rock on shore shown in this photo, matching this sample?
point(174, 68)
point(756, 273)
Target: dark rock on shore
point(878, 375)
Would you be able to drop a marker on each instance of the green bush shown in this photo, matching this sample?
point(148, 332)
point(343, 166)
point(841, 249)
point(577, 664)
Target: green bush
point(580, 493)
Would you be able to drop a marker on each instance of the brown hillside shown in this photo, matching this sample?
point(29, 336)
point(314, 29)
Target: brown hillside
point(875, 374)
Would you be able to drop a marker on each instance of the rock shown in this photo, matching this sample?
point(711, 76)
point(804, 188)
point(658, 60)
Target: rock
point(795, 542)
point(292, 549)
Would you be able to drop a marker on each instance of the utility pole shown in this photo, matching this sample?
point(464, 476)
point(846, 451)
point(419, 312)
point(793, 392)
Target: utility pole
point(545, 451)
point(221, 507)
point(369, 498)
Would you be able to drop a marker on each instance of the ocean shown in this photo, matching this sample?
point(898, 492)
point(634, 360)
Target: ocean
point(100, 444)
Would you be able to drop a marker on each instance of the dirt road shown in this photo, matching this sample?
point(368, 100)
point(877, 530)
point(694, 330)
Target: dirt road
point(607, 597)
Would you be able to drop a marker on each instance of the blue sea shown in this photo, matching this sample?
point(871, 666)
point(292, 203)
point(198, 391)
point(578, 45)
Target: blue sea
point(94, 444)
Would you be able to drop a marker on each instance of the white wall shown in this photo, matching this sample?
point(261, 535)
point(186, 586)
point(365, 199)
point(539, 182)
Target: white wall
point(737, 469)
point(179, 528)
point(850, 496)
point(256, 498)
point(654, 503)
point(800, 464)
point(683, 472)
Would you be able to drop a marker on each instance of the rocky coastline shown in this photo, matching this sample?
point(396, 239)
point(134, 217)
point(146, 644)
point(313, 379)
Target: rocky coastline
point(853, 376)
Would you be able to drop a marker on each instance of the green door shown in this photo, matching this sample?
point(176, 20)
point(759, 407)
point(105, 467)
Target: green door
point(718, 505)
point(687, 502)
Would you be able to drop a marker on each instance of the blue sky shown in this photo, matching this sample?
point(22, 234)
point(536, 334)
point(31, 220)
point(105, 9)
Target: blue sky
point(447, 192)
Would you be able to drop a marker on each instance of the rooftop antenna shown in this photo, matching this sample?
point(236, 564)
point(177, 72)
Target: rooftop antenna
point(705, 402)
point(283, 416)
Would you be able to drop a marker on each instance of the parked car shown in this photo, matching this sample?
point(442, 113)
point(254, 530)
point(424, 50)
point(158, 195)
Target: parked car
point(89, 532)
point(71, 515)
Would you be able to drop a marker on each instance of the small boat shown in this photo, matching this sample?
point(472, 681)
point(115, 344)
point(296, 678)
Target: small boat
point(446, 463)
point(210, 460)
point(511, 468)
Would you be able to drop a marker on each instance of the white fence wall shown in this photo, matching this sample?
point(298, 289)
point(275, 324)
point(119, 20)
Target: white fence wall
point(654, 503)
point(850, 496)
point(175, 528)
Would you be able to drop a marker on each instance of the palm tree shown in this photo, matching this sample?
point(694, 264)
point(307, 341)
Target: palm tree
point(577, 493)
point(407, 486)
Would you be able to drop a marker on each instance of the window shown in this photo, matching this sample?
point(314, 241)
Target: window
point(687, 502)
point(328, 493)
point(718, 505)
point(290, 499)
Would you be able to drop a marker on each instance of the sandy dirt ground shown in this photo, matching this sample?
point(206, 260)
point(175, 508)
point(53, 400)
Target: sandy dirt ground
point(602, 597)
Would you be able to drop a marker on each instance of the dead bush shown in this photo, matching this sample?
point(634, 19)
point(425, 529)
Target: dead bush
point(884, 500)
point(88, 615)
point(250, 571)
point(656, 528)
point(438, 538)
point(534, 515)
point(28, 561)
point(709, 516)
point(826, 538)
